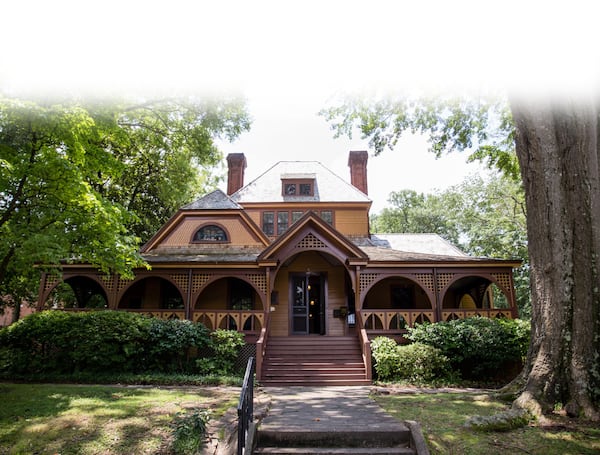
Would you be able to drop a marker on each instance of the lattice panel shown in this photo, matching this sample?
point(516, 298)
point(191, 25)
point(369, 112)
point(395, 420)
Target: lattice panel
point(443, 280)
point(366, 279)
point(108, 281)
point(181, 279)
point(259, 279)
point(426, 279)
point(122, 283)
point(311, 242)
point(51, 280)
point(199, 280)
point(503, 279)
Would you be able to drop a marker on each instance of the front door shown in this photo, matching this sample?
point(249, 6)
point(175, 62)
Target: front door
point(308, 304)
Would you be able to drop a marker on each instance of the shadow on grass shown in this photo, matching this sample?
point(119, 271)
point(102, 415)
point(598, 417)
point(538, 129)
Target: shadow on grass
point(442, 417)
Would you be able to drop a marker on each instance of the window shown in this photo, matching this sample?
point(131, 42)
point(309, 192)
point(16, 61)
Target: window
point(210, 233)
point(296, 215)
point(289, 189)
point(327, 216)
point(305, 189)
point(268, 223)
point(282, 222)
point(298, 187)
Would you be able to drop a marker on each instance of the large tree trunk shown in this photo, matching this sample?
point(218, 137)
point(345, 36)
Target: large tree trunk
point(557, 147)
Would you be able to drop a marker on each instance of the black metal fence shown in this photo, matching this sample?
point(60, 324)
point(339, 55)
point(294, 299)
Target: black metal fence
point(245, 408)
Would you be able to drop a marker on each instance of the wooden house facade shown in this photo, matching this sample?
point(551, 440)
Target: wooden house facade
point(288, 260)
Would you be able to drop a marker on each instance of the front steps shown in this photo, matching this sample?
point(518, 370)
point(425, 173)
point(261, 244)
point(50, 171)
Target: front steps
point(313, 360)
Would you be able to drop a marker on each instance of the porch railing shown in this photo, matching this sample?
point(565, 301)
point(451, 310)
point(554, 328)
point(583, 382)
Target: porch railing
point(245, 407)
point(388, 321)
point(365, 346)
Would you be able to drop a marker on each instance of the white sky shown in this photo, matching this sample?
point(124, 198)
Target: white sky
point(289, 57)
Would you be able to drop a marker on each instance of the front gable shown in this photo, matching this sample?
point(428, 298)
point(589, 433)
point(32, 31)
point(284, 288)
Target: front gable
point(311, 233)
point(213, 213)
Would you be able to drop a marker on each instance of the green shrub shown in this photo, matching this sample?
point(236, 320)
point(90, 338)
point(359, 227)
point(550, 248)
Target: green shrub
point(416, 362)
point(226, 345)
point(385, 358)
point(477, 347)
point(98, 341)
point(420, 362)
point(170, 343)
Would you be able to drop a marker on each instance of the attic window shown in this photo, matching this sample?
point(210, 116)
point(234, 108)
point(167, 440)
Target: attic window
point(298, 186)
point(210, 233)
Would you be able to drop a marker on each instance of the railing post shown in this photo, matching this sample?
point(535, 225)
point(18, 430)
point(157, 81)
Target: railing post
point(245, 408)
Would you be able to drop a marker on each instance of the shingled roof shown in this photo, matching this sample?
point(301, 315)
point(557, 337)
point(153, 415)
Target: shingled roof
point(329, 187)
point(216, 200)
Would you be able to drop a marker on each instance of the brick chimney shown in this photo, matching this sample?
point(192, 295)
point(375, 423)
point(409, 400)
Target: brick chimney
point(357, 160)
point(236, 164)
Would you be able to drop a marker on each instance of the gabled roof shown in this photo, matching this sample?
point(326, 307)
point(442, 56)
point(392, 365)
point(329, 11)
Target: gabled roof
point(329, 187)
point(417, 243)
point(214, 204)
point(217, 200)
point(312, 233)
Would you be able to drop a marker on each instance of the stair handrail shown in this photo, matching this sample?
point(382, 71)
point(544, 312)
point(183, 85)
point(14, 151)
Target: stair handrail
point(261, 347)
point(245, 409)
point(365, 346)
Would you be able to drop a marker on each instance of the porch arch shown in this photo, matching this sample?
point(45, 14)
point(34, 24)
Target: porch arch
point(468, 295)
point(230, 302)
point(151, 292)
point(401, 278)
point(86, 292)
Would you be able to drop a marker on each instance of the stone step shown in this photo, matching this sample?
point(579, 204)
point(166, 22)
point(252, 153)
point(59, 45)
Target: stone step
point(335, 450)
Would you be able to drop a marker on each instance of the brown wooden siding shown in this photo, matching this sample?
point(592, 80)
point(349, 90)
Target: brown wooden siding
point(236, 229)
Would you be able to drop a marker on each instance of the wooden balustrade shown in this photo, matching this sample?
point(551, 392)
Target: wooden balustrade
point(388, 321)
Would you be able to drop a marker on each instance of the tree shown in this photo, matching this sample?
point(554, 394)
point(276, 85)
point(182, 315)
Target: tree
point(76, 179)
point(558, 153)
point(484, 217)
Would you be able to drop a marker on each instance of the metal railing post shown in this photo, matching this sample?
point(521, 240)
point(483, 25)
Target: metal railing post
point(245, 407)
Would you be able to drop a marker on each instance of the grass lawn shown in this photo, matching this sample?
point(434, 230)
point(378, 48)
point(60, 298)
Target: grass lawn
point(442, 416)
point(74, 419)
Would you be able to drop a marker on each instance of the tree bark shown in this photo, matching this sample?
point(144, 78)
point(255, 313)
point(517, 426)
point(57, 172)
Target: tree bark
point(557, 147)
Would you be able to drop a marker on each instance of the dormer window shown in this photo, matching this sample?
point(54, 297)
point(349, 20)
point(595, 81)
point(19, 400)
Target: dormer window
point(210, 233)
point(298, 185)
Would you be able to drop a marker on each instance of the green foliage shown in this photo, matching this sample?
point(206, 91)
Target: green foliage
point(484, 217)
point(98, 342)
point(477, 347)
point(169, 344)
point(88, 182)
point(415, 362)
point(484, 125)
point(189, 432)
point(226, 345)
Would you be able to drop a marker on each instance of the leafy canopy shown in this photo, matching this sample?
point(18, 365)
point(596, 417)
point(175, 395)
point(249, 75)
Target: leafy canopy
point(88, 182)
point(454, 123)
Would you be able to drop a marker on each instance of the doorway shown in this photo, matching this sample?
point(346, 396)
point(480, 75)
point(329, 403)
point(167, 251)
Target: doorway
point(308, 304)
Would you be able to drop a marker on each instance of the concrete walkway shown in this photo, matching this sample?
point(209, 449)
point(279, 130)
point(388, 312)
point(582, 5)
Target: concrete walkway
point(329, 409)
point(321, 417)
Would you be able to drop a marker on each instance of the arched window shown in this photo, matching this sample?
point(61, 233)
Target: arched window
point(210, 233)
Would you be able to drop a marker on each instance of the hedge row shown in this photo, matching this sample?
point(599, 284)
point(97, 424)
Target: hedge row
point(473, 348)
point(111, 341)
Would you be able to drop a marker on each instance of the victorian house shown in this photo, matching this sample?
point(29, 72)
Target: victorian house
point(288, 259)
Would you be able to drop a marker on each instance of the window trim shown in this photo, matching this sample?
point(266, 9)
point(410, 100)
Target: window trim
point(291, 222)
point(205, 225)
point(285, 183)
